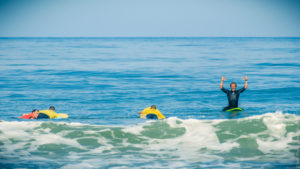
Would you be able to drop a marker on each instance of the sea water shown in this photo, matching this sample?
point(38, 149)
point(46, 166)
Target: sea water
point(101, 83)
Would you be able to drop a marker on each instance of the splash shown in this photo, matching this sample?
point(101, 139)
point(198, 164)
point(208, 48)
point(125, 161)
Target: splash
point(267, 140)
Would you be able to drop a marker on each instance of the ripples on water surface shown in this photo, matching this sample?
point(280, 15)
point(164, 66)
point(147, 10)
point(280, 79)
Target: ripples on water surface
point(106, 81)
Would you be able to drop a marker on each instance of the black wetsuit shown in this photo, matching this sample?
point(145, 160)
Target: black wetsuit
point(43, 116)
point(233, 98)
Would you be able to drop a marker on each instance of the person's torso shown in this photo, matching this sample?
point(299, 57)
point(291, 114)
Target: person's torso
point(148, 111)
point(151, 111)
point(233, 97)
point(52, 114)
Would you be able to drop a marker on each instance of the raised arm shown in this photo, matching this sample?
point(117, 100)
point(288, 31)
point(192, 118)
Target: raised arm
point(246, 79)
point(221, 85)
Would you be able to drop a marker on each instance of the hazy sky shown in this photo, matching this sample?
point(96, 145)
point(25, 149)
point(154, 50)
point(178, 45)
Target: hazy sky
point(111, 18)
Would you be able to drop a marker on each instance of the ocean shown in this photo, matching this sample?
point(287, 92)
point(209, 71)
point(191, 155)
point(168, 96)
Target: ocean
point(101, 83)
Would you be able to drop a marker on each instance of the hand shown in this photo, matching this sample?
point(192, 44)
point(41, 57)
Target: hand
point(245, 78)
point(223, 78)
point(140, 112)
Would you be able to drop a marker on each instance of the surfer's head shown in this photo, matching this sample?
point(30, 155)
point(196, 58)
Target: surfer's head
point(153, 107)
point(35, 112)
point(52, 108)
point(233, 86)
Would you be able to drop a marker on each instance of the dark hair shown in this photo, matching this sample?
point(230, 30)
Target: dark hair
point(153, 107)
point(51, 108)
point(34, 110)
point(233, 83)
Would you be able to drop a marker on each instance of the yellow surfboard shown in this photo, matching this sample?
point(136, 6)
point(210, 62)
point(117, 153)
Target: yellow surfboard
point(62, 115)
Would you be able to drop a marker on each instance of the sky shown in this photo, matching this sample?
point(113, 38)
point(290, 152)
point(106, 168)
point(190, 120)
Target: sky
point(149, 18)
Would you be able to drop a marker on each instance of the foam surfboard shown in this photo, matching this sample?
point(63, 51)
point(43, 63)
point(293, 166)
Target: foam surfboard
point(235, 109)
point(62, 115)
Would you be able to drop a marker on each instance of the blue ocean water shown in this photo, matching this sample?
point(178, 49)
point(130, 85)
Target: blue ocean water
point(101, 83)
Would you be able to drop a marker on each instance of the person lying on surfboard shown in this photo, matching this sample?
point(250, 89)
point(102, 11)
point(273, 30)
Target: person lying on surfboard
point(233, 94)
point(33, 115)
point(51, 114)
point(151, 113)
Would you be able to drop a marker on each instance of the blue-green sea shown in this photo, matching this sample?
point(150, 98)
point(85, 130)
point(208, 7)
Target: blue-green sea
point(101, 83)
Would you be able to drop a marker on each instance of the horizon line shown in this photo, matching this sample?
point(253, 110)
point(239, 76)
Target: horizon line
point(48, 37)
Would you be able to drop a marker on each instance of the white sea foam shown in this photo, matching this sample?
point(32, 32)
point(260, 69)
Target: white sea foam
point(276, 124)
point(134, 129)
point(197, 142)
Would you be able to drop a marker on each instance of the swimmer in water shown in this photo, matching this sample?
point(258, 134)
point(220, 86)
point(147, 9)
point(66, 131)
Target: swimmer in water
point(48, 114)
point(151, 113)
point(233, 94)
point(33, 115)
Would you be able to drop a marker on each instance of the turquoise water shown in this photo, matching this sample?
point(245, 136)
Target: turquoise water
point(103, 82)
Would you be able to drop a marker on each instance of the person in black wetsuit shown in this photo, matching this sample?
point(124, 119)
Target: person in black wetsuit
point(233, 94)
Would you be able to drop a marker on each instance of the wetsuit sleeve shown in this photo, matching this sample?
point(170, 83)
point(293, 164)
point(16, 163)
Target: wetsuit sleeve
point(27, 116)
point(145, 110)
point(144, 113)
point(160, 116)
point(241, 90)
point(224, 90)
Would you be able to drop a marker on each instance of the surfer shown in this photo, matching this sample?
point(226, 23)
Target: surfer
point(48, 114)
point(151, 113)
point(33, 115)
point(233, 94)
